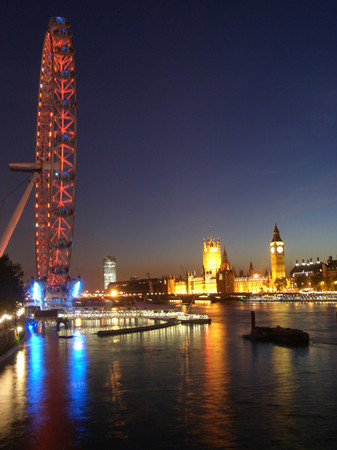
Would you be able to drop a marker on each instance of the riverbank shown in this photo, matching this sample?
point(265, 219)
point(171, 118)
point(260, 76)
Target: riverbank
point(11, 341)
point(12, 334)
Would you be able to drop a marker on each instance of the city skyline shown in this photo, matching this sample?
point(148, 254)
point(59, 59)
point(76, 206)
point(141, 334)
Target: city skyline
point(190, 115)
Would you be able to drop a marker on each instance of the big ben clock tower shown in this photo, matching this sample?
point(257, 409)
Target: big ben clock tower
point(277, 256)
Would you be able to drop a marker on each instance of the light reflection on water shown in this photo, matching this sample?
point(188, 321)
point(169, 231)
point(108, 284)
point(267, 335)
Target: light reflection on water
point(181, 387)
point(91, 326)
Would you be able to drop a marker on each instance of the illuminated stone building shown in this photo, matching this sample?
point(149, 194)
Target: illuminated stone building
point(193, 284)
point(225, 276)
point(314, 276)
point(307, 275)
point(207, 282)
point(218, 276)
point(211, 264)
point(278, 271)
point(330, 274)
point(252, 284)
point(139, 286)
point(109, 270)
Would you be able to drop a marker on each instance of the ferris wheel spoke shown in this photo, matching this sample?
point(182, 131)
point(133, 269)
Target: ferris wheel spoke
point(56, 151)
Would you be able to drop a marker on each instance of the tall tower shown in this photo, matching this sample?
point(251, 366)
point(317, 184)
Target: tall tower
point(225, 263)
point(277, 256)
point(211, 256)
point(225, 276)
point(109, 269)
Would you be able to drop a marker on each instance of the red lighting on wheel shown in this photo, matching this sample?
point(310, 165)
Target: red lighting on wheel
point(56, 150)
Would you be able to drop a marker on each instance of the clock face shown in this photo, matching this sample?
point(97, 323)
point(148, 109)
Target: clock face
point(279, 249)
point(272, 249)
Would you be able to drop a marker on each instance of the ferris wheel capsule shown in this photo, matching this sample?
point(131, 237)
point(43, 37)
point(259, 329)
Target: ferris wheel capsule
point(56, 140)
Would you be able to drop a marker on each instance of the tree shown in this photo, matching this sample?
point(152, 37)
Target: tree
point(281, 284)
point(11, 284)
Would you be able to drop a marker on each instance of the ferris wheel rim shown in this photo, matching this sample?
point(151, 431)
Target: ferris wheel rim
point(56, 150)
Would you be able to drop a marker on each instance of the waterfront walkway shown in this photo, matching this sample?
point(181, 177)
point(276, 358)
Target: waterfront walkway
point(120, 331)
point(304, 297)
point(97, 313)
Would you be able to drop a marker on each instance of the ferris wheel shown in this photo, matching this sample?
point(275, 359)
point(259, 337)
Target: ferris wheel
point(55, 158)
point(54, 170)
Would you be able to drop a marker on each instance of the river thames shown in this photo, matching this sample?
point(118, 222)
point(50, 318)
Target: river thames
point(191, 387)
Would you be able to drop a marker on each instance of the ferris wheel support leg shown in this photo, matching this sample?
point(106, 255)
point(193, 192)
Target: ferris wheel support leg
point(16, 216)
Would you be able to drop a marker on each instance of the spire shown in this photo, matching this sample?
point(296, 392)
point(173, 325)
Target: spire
point(276, 234)
point(225, 263)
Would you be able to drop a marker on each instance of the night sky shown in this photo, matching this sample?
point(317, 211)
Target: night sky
point(191, 115)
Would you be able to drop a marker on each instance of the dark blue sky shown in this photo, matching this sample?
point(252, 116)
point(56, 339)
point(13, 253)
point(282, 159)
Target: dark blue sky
point(191, 114)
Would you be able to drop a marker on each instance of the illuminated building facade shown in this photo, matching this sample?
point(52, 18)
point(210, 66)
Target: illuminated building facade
point(278, 270)
point(211, 256)
point(109, 270)
point(211, 265)
point(330, 274)
point(253, 284)
point(306, 275)
point(139, 286)
point(314, 276)
point(218, 276)
point(225, 276)
point(207, 282)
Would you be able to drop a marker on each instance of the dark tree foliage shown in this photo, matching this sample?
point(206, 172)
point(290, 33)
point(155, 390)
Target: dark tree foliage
point(11, 284)
point(281, 284)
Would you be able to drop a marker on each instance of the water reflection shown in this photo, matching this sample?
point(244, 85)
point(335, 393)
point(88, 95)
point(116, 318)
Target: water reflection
point(12, 400)
point(77, 384)
point(181, 387)
point(91, 326)
point(77, 389)
point(47, 396)
point(36, 370)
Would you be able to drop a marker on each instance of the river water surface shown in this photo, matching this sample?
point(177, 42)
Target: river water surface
point(181, 387)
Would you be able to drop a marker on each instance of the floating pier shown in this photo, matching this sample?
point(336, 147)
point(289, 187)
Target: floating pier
point(120, 331)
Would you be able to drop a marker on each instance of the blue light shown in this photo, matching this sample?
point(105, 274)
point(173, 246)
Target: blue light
point(77, 378)
point(59, 19)
point(37, 293)
point(76, 289)
point(35, 375)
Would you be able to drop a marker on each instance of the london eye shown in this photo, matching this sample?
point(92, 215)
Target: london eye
point(54, 170)
point(55, 159)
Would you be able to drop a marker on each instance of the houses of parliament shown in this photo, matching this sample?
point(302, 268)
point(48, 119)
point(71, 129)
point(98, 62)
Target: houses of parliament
point(217, 276)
